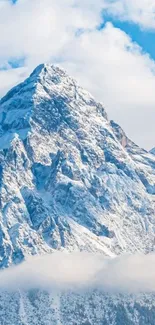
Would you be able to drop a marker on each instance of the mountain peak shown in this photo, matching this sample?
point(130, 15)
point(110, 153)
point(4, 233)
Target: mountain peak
point(46, 100)
point(48, 69)
point(40, 74)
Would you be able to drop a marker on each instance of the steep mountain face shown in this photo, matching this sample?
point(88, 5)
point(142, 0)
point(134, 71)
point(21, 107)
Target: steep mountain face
point(69, 178)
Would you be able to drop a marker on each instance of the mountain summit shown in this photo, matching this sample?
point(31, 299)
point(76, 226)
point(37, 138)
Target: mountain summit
point(70, 179)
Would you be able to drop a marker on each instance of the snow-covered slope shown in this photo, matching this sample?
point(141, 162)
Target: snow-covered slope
point(92, 308)
point(69, 178)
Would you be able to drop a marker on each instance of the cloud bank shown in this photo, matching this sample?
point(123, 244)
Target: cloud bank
point(141, 12)
point(82, 271)
point(104, 60)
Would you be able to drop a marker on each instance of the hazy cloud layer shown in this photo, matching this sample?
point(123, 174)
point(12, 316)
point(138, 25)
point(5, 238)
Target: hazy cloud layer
point(105, 61)
point(127, 274)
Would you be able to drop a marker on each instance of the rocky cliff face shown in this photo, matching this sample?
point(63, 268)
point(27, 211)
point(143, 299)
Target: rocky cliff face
point(69, 178)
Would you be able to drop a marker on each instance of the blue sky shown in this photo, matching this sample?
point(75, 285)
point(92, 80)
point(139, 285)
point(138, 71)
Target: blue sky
point(115, 62)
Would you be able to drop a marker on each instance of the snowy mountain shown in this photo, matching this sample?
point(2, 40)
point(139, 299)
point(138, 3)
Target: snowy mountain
point(70, 178)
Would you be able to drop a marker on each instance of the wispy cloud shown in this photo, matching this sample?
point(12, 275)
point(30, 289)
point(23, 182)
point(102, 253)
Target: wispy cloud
point(82, 271)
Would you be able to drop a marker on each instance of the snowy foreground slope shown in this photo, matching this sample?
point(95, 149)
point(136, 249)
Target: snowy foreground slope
point(70, 180)
point(92, 308)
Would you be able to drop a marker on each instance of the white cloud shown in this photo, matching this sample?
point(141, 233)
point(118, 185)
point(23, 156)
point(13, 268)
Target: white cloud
point(39, 29)
point(9, 78)
point(129, 274)
point(106, 61)
point(141, 12)
point(118, 73)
